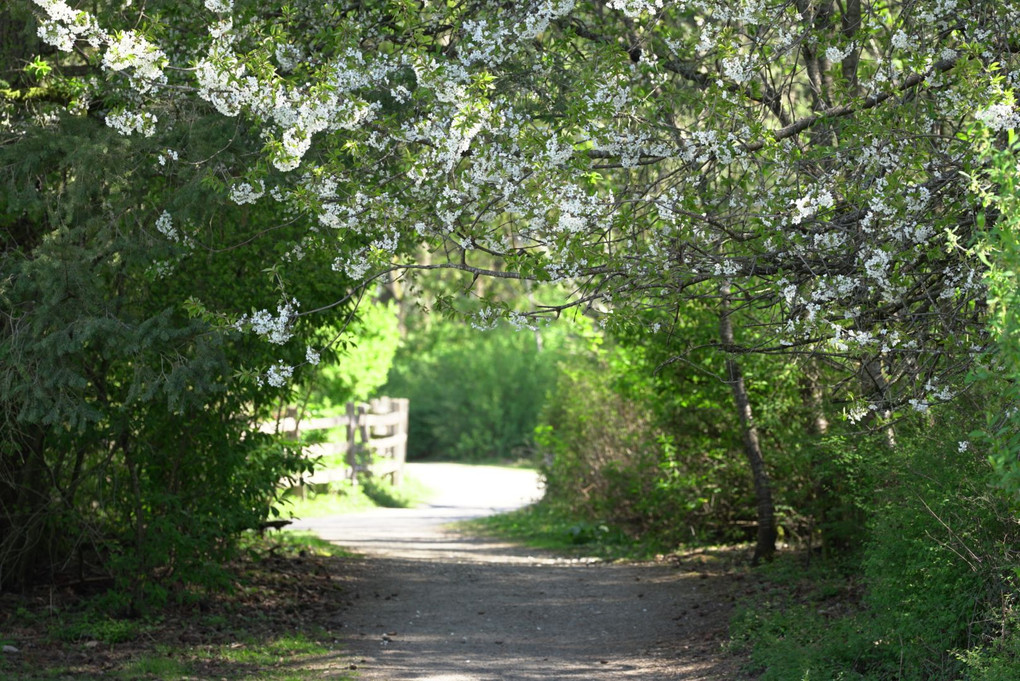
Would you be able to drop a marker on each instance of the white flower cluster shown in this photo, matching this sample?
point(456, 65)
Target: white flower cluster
point(276, 329)
point(486, 319)
point(577, 210)
point(277, 375)
point(243, 192)
point(127, 122)
point(223, 82)
point(288, 56)
point(555, 154)
point(635, 8)
point(999, 117)
point(737, 69)
point(168, 155)
point(65, 25)
point(130, 50)
point(835, 54)
point(700, 146)
point(312, 355)
point(902, 41)
point(492, 42)
point(165, 226)
point(219, 6)
point(810, 204)
point(337, 215)
point(294, 145)
point(355, 265)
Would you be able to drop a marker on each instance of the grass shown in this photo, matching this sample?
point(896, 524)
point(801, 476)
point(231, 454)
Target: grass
point(272, 624)
point(291, 657)
point(292, 543)
point(799, 621)
point(548, 527)
point(345, 497)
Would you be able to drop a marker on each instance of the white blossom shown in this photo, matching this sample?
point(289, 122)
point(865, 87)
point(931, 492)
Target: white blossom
point(902, 41)
point(999, 117)
point(277, 375)
point(277, 328)
point(127, 122)
point(219, 6)
point(165, 226)
point(243, 192)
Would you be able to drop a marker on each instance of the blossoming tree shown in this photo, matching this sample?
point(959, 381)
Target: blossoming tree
point(804, 164)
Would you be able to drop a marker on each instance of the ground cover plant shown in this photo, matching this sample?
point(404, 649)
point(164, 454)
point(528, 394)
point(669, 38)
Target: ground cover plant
point(275, 619)
point(929, 592)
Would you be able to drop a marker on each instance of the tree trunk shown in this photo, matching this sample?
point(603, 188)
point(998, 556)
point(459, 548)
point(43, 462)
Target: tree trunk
point(876, 386)
point(765, 546)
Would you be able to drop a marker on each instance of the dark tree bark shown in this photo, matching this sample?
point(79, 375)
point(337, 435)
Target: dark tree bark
point(765, 545)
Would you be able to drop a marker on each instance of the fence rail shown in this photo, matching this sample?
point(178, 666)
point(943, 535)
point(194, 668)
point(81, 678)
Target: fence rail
point(375, 441)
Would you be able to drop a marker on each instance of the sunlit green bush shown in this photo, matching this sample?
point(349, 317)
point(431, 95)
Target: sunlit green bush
point(474, 395)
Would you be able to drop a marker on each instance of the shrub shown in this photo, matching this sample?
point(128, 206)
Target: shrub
point(614, 449)
point(473, 395)
point(941, 541)
point(932, 593)
point(361, 364)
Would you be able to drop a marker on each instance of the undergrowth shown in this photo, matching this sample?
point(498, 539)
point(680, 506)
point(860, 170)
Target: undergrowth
point(270, 622)
point(553, 528)
point(930, 594)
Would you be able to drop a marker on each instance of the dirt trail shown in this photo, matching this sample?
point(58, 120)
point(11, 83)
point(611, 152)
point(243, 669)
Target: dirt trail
point(431, 605)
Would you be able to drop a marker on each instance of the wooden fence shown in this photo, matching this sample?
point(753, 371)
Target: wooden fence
point(375, 441)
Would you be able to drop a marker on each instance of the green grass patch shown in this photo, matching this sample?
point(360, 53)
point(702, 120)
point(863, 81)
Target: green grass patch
point(75, 627)
point(156, 666)
point(271, 622)
point(345, 497)
point(806, 621)
point(290, 543)
point(292, 657)
point(548, 527)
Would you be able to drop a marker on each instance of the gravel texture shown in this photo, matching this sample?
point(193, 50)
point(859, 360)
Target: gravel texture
point(428, 604)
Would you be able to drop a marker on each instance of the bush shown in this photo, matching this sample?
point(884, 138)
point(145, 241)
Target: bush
point(940, 542)
point(932, 592)
point(474, 395)
point(127, 448)
point(614, 450)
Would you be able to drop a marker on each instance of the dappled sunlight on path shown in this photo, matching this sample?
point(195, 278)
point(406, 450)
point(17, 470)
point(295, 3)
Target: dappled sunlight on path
point(428, 604)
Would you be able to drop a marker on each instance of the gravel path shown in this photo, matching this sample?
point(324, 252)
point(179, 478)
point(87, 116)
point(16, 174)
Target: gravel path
point(428, 604)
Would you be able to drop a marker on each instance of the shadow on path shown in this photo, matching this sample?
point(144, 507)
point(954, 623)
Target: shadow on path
point(431, 605)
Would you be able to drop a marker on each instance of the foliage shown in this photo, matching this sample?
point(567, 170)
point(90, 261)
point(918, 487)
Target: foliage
point(474, 396)
point(362, 361)
point(999, 248)
point(633, 436)
point(120, 397)
point(933, 594)
point(643, 154)
point(801, 168)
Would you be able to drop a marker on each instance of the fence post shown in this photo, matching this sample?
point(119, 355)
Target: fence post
point(364, 448)
point(352, 453)
point(401, 405)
